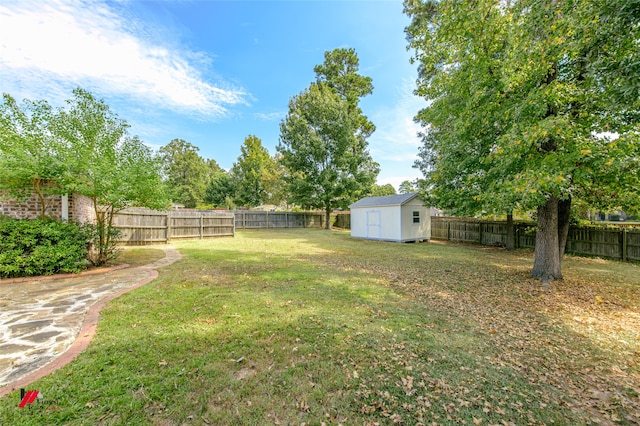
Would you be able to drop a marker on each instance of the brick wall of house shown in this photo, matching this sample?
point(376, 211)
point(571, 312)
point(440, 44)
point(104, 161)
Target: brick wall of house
point(81, 209)
point(30, 208)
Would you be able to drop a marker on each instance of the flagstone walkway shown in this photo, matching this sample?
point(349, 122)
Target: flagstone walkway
point(45, 322)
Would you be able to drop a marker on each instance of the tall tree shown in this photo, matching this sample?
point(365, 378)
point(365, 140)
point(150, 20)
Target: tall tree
point(221, 189)
point(521, 96)
point(213, 168)
point(327, 165)
point(273, 182)
point(339, 71)
point(187, 173)
point(323, 140)
point(386, 189)
point(251, 171)
point(407, 187)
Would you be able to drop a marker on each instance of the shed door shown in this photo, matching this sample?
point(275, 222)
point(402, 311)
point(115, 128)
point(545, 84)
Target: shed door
point(373, 224)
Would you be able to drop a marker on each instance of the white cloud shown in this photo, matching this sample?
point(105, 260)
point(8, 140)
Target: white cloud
point(395, 142)
point(270, 116)
point(57, 45)
point(396, 136)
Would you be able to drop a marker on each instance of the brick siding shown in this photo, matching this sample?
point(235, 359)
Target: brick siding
point(80, 207)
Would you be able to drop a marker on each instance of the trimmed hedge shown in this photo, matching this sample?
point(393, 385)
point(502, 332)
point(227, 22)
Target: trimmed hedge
point(42, 247)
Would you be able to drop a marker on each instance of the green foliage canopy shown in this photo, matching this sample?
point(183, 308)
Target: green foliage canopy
point(251, 173)
point(380, 190)
point(221, 188)
point(326, 165)
point(531, 104)
point(187, 174)
point(83, 148)
point(28, 151)
point(407, 187)
point(323, 139)
point(524, 97)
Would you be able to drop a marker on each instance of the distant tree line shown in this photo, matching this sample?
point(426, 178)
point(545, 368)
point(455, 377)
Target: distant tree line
point(322, 159)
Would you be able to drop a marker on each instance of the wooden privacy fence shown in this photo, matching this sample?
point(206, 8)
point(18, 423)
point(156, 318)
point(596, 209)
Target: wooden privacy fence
point(341, 220)
point(249, 219)
point(613, 243)
point(142, 226)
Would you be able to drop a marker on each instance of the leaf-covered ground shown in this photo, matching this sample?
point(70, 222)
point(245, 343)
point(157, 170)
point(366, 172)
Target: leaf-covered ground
point(313, 327)
point(579, 339)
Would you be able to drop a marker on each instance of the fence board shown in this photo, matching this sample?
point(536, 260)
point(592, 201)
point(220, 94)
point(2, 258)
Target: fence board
point(342, 220)
point(633, 244)
point(595, 242)
point(614, 243)
point(141, 226)
point(494, 233)
point(248, 219)
point(468, 232)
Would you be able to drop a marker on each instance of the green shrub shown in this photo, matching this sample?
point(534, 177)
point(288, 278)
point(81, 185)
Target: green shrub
point(42, 247)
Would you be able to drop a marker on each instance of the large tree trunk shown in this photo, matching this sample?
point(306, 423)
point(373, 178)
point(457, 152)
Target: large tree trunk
point(564, 211)
point(327, 217)
point(511, 233)
point(546, 264)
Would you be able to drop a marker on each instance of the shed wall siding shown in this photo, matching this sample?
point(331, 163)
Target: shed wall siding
point(359, 223)
point(391, 228)
point(396, 222)
point(415, 231)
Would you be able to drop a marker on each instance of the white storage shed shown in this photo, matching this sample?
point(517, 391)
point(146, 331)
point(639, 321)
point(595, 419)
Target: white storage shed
point(401, 218)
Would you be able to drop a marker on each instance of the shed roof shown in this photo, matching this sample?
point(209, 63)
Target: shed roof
point(385, 200)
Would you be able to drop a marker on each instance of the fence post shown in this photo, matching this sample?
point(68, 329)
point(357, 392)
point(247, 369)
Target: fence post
point(624, 244)
point(448, 230)
point(168, 227)
point(480, 233)
point(201, 226)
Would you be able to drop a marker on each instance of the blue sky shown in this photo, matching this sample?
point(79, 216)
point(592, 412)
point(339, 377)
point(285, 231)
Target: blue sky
point(212, 72)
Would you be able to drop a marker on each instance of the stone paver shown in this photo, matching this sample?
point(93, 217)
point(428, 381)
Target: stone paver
point(40, 319)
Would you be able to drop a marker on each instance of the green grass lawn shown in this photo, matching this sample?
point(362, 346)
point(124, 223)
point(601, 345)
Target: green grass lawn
point(292, 327)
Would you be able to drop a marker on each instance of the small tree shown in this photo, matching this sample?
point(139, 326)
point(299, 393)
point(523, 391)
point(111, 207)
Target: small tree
point(28, 161)
point(107, 165)
point(84, 149)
